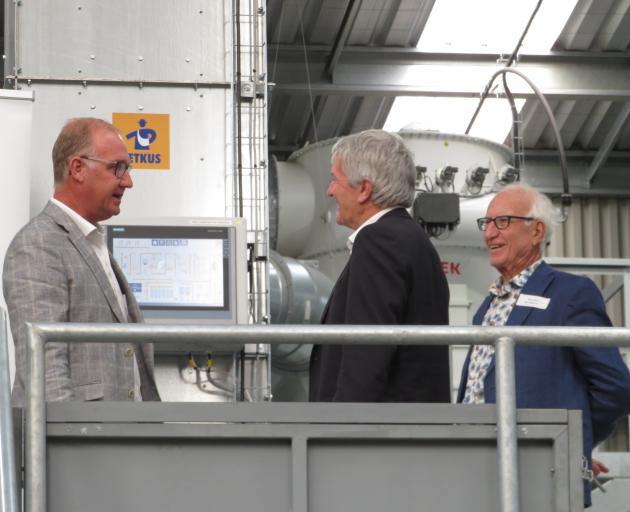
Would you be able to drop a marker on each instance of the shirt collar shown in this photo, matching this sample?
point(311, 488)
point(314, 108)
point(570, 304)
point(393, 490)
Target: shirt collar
point(369, 221)
point(85, 226)
point(500, 289)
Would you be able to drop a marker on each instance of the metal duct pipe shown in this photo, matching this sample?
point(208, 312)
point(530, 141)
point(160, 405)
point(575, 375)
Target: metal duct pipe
point(298, 294)
point(291, 205)
point(298, 290)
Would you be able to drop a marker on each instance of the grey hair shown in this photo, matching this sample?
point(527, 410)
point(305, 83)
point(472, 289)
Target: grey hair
point(383, 159)
point(541, 207)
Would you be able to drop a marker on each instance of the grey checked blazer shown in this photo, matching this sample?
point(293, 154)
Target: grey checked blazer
point(51, 274)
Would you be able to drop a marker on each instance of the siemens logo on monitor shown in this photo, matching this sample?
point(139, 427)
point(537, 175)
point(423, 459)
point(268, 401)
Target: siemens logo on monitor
point(168, 243)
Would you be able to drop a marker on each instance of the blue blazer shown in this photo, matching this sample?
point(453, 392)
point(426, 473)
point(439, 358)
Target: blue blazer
point(592, 379)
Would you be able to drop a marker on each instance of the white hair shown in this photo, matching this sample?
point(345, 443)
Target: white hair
point(382, 158)
point(541, 207)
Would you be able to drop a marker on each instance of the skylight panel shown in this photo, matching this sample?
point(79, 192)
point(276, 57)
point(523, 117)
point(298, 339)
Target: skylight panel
point(452, 115)
point(479, 26)
point(493, 26)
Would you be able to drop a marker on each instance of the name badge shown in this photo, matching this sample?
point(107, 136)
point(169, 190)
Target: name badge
point(532, 301)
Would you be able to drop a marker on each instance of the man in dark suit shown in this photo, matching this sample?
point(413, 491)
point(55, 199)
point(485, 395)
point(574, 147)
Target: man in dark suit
point(393, 276)
point(529, 292)
point(58, 269)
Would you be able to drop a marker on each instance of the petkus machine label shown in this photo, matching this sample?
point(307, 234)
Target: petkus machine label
point(147, 137)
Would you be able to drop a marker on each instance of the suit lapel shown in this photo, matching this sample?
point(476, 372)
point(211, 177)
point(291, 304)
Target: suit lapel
point(77, 238)
point(481, 312)
point(536, 285)
point(538, 282)
point(135, 315)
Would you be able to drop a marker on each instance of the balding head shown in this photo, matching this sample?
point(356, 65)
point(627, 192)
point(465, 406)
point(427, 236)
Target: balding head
point(75, 138)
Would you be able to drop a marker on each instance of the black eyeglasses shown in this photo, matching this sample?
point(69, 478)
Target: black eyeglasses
point(501, 222)
point(120, 167)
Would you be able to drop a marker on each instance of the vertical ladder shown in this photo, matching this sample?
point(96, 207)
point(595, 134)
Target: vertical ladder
point(249, 183)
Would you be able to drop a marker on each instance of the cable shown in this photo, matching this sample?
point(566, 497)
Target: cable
point(520, 41)
point(516, 144)
point(512, 58)
point(566, 196)
point(277, 49)
point(222, 387)
point(192, 364)
point(308, 75)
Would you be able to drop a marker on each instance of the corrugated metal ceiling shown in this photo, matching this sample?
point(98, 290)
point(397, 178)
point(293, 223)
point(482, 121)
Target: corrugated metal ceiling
point(313, 28)
point(307, 39)
point(595, 27)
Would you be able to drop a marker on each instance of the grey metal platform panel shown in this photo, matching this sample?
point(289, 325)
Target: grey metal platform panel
point(299, 457)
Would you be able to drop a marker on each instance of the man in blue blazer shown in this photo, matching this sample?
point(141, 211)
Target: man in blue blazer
point(393, 277)
point(529, 292)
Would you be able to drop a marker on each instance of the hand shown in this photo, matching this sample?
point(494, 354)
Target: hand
point(598, 467)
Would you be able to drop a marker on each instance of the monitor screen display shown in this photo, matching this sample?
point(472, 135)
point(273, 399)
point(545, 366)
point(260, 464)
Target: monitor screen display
point(181, 272)
point(175, 267)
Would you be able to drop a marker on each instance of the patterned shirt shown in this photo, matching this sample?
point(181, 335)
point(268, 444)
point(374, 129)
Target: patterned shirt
point(504, 296)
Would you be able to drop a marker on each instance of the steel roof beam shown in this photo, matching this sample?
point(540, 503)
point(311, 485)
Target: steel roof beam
point(388, 54)
point(342, 37)
point(608, 143)
point(400, 72)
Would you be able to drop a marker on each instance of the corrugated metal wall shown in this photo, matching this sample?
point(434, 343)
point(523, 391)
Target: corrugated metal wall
point(599, 228)
point(596, 228)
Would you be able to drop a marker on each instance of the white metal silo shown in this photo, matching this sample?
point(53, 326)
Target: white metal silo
point(306, 226)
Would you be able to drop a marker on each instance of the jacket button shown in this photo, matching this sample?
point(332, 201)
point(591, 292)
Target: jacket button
point(129, 352)
point(131, 393)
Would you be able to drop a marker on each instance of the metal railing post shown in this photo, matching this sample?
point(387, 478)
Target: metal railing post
point(201, 337)
point(8, 478)
point(506, 425)
point(35, 439)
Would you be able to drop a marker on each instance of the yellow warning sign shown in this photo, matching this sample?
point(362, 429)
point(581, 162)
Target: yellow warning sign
point(147, 137)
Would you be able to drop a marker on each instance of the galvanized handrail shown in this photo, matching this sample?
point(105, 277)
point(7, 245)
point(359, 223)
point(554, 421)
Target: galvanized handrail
point(202, 337)
point(8, 484)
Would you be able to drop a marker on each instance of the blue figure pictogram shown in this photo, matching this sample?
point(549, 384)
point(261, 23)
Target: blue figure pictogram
point(144, 136)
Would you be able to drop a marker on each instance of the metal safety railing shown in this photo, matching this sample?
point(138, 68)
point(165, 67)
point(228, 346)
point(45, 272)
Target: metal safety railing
point(201, 337)
point(8, 476)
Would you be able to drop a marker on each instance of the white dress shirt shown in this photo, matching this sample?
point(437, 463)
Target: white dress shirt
point(371, 220)
point(94, 234)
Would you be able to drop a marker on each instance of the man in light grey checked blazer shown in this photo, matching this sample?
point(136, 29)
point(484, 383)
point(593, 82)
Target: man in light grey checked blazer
point(58, 269)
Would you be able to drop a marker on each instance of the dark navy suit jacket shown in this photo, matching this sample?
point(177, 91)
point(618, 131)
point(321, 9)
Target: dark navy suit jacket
point(393, 276)
point(592, 379)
